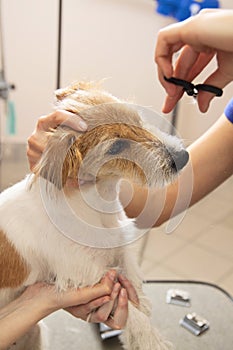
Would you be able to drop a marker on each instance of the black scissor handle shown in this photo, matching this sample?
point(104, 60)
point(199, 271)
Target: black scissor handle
point(186, 85)
point(191, 89)
point(209, 88)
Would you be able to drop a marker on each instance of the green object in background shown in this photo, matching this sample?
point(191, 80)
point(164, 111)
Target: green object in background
point(11, 119)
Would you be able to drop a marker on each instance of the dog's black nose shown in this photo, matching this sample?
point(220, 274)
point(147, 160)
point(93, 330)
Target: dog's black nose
point(179, 159)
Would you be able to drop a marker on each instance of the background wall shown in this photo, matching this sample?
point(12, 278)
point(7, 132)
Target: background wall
point(111, 39)
point(30, 48)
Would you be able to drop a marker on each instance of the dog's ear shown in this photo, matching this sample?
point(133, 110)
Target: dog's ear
point(60, 159)
point(71, 89)
point(82, 95)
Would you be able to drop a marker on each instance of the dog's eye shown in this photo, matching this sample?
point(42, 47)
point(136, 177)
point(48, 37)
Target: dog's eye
point(118, 146)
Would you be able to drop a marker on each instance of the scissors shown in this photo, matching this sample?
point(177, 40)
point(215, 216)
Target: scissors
point(193, 90)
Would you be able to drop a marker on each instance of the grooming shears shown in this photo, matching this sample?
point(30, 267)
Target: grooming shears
point(193, 90)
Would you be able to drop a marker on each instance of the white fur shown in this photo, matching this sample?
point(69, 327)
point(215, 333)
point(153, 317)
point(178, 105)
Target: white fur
point(52, 256)
point(71, 237)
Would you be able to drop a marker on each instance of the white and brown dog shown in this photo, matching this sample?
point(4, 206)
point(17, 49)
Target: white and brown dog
point(51, 230)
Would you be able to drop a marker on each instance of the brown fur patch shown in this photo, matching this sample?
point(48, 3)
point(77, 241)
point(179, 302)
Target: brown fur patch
point(81, 85)
point(104, 133)
point(72, 155)
point(97, 136)
point(13, 269)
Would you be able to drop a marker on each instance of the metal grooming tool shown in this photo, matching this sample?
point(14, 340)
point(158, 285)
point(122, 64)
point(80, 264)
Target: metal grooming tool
point(107, 332)
point(194, 323)
point(193, 90)
point(178, 297)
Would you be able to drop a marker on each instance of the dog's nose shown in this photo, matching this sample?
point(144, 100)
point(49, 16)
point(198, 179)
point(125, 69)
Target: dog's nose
point(179, 159)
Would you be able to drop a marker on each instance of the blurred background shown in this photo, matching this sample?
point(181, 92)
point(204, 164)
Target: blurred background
point(112, 39)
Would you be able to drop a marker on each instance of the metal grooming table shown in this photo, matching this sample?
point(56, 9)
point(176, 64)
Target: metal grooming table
point(207, 300)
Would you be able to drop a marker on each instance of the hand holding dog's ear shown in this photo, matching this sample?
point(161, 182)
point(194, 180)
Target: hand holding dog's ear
point(38, 140)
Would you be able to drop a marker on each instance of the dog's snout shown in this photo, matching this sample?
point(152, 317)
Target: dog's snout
point(179, 159)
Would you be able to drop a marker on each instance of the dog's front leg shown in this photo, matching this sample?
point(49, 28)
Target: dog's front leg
point(139, 334)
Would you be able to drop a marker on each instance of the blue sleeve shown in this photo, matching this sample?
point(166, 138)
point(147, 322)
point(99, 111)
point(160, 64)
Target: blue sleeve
point(229, 111)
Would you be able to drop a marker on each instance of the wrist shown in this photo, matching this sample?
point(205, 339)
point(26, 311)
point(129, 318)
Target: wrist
point(42, 297)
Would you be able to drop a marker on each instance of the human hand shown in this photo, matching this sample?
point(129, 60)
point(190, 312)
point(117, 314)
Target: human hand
point(52, 299)
point(201, 38)
point(41, 299)
point(112, 310)
point(38, 140)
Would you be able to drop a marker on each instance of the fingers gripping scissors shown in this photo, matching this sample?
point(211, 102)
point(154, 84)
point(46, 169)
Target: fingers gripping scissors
point(193, 90)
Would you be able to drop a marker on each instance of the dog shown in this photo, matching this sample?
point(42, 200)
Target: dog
point(64, 224)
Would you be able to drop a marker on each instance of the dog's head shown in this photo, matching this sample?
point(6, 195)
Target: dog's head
point(115, 145)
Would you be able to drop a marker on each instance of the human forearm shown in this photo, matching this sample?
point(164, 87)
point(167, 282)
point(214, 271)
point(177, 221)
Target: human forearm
point(210, 165)
point(212, 158)
point(18, 317)
point(40, 300)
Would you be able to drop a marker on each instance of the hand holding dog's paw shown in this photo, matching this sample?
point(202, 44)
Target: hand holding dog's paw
point(109, 309)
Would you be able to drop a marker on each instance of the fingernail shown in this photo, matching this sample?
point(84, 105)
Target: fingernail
point(123, 292)
point(116, 287)
point(112, 275)
point(82, 125)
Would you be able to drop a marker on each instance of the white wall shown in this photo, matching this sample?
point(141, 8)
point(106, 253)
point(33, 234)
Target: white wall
point(30, 43)
point(112, 39)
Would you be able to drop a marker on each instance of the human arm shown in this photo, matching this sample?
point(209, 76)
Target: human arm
point(40, 300)
point(202, 37)
point(210, 164)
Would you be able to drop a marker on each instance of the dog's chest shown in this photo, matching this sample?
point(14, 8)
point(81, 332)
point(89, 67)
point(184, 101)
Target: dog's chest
point(81, 266)
point(47, 248)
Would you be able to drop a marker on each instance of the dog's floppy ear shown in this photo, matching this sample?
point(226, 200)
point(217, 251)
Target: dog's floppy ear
point(69, 90)
point(60, 159)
